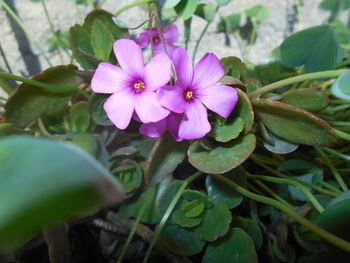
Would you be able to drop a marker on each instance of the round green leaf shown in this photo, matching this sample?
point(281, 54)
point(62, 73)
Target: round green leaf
point(165, 156)
point(181, 240)
point(101, 40)
point(305, 47)
point(234, 67)
point(225, 130)
point(279, 146)
point(55, 181)
point(244, 110)
point(193, 208)
point(86, 141)
point(219, 192)
point(130, 176)
point(341, 88)
point(235, 247)
point(186, 8)
point(28, 102)
point(336, 217)
point(251, 227)
point(293, 124)
point(216, 222)
point(306, 99)
point(206, 11)
point(80, 117)
point(259, 13)
point(224, 157)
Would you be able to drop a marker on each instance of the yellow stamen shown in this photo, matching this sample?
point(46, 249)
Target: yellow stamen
point(155, 40)
point(139, 86)
point(188, 95)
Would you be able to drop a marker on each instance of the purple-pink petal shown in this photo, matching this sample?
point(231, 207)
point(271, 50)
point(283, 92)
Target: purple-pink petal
point(195, 122)
point(173, 125)
point(130, 58)
point(158, 72)
point(220, 99)
point(172, 98)
point(153, 129)
point(208, 71)
point(171, 34)
point(119, 108)
point(109, 79)
point(143, 40)
point(183, 67)
point(148, 108)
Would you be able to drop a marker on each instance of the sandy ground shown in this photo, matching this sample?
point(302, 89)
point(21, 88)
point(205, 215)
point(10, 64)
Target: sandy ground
point(269, 34)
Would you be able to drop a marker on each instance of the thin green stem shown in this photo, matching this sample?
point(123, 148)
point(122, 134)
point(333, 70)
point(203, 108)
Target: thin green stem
point(52, 28)
point(315, 187)
point(43, 129)
point(43, 85)
point(2, 52)
point(327, 236)
point(272, 193)
point(340, 123)
point(25, 30)
point(198, 41)
point(300, 78)
point(330, 187)
point(309, 195)
point(338, 154)
point(5, 86)
point(343, 135)
point(127, 7)
point(334, 170)
point(343, 63)
point(167, 214)
point(251, 41)
point(133, 230)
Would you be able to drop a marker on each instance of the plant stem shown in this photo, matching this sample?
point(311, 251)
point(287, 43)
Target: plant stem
point(5, 59)
point(5, 86)
point(133, 229)
point(310, 196)
point(198, 41)
point(25, 30)
point(43, 129)
point(338, 154)
point(300, 78)
point(138, 3)
point(327, 236)
point(168, 212)
point(343, 135)
point(331, 187)
point(52, 28)
point(334, 171)
point(315, 187)
point(43, 85)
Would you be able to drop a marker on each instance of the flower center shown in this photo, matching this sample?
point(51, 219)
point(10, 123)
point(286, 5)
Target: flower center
point(139, 86)
point(155, 39)
point(188, 95)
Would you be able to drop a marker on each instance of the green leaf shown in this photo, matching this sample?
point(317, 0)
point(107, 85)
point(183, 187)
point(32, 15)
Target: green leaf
point(219, 192)
point(235, 247)
point(80, 117)
point(223, 2)
point(79, 42)
point(29, 103)
point(98, 113)
point(306, 99)
point(151, 214)
point(107, 19)
point(279, 146)
point(305, 47)
point(171, 3)
point(244, 110)
point(294, 125)
point(251, 227)
point(336, 216)
point(224, 157)
point(181, 241)
point(179, 216)
point(341, 88)
point(193, 208)
point(101, 40)
point(86, 141)
point(129, 175)
point(54, 182)
point(259, 13)
point(216, 222)
point(206, 11)
point(186, 8)
point(165, 156)
point(234, 67)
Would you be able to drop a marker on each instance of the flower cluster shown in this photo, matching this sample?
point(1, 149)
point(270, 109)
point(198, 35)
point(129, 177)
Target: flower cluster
point(141, 92)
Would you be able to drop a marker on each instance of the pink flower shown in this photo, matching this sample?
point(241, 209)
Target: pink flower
point(194, 89)
point(133, 85)
point(171, 35)
point(157, 129)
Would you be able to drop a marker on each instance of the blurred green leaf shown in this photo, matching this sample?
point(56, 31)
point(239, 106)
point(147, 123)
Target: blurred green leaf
point(223, 2)
point(55, 182)
point(171, 3)
point(98, 113)
point(234, 67)
point(206, 11)
point(59, 40)
point(294, 125)
point(79, 115)
point(224, 157)
point(258, 13)
point(186, 8)
point(101, 40)
point(29, 103)
point(235, 247)
point(305, 47)
point(341, 88)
